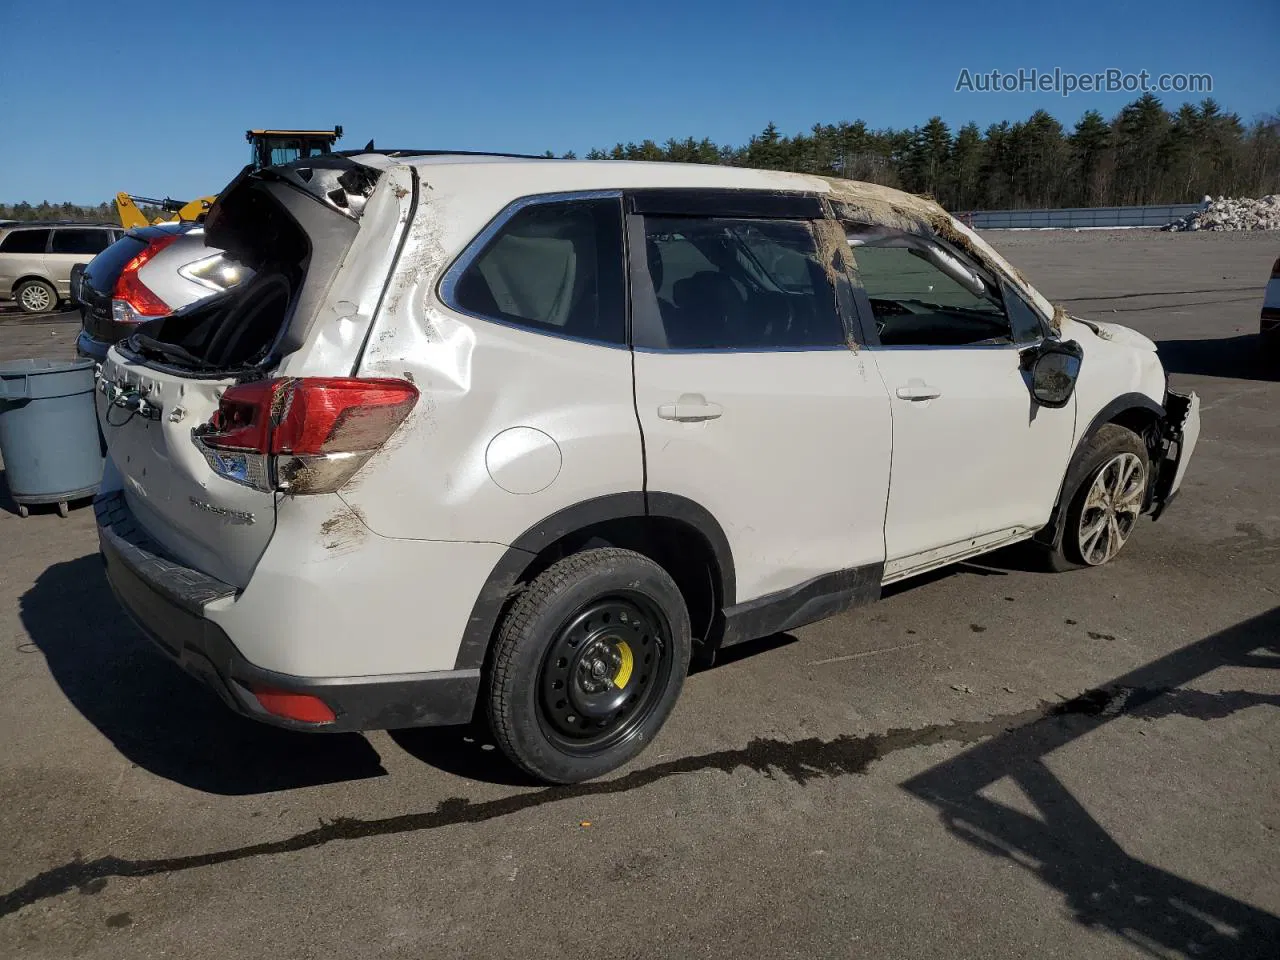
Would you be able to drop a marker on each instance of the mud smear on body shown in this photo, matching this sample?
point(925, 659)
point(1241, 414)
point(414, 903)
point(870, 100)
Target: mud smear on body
point(800, 761)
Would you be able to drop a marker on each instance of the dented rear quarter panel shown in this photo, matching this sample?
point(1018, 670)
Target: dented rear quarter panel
point(432, 481)
point(357, 289)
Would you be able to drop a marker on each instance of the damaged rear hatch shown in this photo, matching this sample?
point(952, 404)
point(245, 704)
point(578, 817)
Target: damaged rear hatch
point(194, 462)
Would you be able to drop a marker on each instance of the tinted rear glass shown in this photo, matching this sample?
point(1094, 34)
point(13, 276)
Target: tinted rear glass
point(80, 241)
point(105, 269)
point(555, 267)
point(25, 241)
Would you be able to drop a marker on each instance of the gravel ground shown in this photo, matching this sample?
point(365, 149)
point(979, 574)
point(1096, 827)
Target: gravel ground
point(991, 762)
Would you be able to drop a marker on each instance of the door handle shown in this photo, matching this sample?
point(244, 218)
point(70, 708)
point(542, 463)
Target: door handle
point(918, 390)
point(690, 408)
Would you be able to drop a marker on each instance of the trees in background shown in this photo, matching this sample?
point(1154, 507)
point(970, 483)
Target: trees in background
point(102, 213)
point(1144, 154)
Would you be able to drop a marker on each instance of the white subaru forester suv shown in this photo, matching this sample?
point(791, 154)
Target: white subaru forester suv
point(524, 436)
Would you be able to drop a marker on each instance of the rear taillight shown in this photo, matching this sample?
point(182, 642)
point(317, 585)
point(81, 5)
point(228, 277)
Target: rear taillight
point(132, 300)
point(307, 435)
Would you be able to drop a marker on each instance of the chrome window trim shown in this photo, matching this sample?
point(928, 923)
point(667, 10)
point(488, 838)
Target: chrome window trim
point(448, 285)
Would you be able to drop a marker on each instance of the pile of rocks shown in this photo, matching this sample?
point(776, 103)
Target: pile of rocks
point(1227, 213)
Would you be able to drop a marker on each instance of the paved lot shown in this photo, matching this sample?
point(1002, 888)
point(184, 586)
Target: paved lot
point(990, 763)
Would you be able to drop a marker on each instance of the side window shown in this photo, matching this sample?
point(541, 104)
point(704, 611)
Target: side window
point(80, 241)
point(921, 295)
point(25, 241)
point(1026, 323)
point(737, 284)
point(555, 267)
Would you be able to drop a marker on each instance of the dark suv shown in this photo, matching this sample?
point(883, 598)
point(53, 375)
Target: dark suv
point(36, 259)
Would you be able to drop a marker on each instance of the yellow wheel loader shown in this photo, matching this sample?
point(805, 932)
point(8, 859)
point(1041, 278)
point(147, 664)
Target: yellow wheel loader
point(268, 147)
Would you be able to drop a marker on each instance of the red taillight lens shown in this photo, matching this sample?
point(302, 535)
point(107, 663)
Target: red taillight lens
point(307, 435)
point(131, 293)
point(243, 418)
point(341, 415)
point(294, 706)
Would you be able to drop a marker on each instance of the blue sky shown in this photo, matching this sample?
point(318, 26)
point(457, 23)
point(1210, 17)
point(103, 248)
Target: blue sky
point(107, 103)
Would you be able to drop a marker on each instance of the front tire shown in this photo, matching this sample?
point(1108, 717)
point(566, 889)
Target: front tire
point(36, 296)
point(1105, 506)
point(588, 665)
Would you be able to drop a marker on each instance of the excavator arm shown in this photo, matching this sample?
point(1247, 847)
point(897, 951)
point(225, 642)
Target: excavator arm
point(183, 210)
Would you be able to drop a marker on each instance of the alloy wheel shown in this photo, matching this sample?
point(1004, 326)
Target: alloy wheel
point(35, 298)
point(1112, 508)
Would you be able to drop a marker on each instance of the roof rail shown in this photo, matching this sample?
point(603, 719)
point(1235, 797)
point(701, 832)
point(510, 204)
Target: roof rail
point(439, 153)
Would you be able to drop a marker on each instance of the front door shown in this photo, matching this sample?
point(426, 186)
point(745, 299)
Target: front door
point(976, 461)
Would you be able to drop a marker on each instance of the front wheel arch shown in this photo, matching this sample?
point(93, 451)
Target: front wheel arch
point(1135, 411)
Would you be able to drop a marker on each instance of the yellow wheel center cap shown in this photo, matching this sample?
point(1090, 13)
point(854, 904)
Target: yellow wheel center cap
point(627, 665)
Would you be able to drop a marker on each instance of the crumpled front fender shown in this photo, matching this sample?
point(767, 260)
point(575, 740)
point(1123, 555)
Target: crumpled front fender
point(1180, 429)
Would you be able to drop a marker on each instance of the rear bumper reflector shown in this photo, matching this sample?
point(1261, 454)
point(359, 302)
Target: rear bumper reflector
point(302, 707)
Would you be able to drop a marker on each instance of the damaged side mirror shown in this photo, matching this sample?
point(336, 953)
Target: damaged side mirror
point(1054, 367)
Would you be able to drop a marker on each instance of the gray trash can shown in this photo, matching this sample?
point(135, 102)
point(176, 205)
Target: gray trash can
point(49, 431)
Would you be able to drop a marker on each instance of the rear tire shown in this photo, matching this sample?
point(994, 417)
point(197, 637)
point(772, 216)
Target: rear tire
point(588, 665)
point(36, 296)
point(1104, 508)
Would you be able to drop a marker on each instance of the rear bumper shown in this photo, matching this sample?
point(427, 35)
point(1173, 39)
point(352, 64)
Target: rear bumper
point(166, 601)
point(87, 346)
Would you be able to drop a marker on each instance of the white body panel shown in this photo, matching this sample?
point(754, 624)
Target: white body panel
point(978, 457)
point(330, 598)
point(202, 519)
point(480, 381)
point(1116, 362)
point(795, 469)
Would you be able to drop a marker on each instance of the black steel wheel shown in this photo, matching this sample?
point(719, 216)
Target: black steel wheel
point(588, 665)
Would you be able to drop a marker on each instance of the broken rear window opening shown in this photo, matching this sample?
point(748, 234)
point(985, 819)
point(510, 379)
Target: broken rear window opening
point(271, 222)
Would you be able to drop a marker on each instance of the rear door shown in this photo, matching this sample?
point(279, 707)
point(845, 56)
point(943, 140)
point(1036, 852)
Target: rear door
point(72, 245)
point(751, 401)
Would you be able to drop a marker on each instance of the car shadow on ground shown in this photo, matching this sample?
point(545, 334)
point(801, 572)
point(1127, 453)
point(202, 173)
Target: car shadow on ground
point(154, 713)
point(1065, 847)
point(1244, 357)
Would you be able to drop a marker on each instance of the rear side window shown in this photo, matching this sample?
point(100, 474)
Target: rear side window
point(25, 241)
point(80, 241)
point(554, 267)
point(737, 284)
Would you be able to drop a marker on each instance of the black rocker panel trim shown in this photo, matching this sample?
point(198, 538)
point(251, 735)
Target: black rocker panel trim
point(805, 603)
